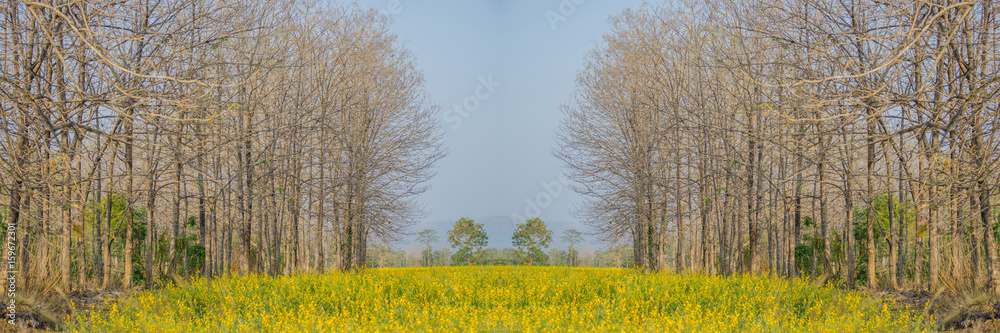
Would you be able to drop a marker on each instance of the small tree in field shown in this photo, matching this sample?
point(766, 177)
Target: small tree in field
point(572, 237)
point(531, 237)
point(469, 237)
point(427, 237)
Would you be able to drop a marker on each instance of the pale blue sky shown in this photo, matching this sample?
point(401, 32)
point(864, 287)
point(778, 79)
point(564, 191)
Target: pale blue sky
point(500, 154)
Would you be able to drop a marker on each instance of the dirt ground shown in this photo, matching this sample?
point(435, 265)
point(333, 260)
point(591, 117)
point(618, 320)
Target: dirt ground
point(952, 312)
point(49, 313)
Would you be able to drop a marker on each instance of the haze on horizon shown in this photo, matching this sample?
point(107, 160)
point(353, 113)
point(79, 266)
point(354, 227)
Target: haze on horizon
point(523, 57)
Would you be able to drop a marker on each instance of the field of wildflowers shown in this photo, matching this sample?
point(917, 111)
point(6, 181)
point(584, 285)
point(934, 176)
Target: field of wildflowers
point(521, 299)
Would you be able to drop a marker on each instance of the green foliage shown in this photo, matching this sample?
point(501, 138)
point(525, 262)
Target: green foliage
point(996, 224)
point(138, 235)
point(440, 257)
point(194, 252)
point(804, 255)
point(902, 213)
point(466, 256)
point(572, 237)
point(837, 248)
point(615, 256)
point(118, 207)
point(531, 237)
point(385, 256)
point(426, 257)
point(97, 212)
point(427, 237)
point(569, 257)
point(469, 237)
point(503, 257)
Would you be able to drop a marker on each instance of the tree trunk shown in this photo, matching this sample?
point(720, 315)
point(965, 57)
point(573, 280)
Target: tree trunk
point(992, 262)
point(849, 274)
point(66, 238)
point(679, 217)
point(893, 240)
point(129, 200)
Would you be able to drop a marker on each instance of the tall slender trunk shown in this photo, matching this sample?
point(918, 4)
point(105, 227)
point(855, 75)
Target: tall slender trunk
point(849, 274)
point(149, 262)
point(295, 205)
point(176, 219)
point(321, 213)
point(679, 216)
point(42, 241)
point(893, 240)
point(276, 230)
point(66, 237)
point(747, 262)
point(98, 228)
point(202, 225)
point(824, 223)
point(900, 231)
point(129, 199)
point(992, 262)
point(933, 228)
point(245, 228)
point(956, 228)
point(795, 227)
point(704, 204)
point(870, 196)
point(81, 246)
point(105, 238)
point(23, 249)
point(953, 207)
point(918, 216)
point(975, 250)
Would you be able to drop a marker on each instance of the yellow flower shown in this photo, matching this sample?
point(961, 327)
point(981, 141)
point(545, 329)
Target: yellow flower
point(528, 299)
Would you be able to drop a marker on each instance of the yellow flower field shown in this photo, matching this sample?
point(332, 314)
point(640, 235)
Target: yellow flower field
point(500, 299)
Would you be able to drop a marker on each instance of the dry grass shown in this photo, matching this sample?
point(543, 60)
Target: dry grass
point(42, 305)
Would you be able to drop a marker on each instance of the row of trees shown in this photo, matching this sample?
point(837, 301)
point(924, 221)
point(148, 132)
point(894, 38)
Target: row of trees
point(385, 256)
point(530, 240)
point(145, 140)
point(852, 140)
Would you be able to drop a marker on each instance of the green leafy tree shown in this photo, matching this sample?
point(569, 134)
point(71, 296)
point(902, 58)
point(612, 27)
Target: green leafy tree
point(501, 257)
point(572, 237)
point(385, 256)
point(559, 257)
point(615, 256)
point(469, 237)
point(902, 213)
point(427, 237)
point(97, 212)
point(441, 257)
point(531, 237)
